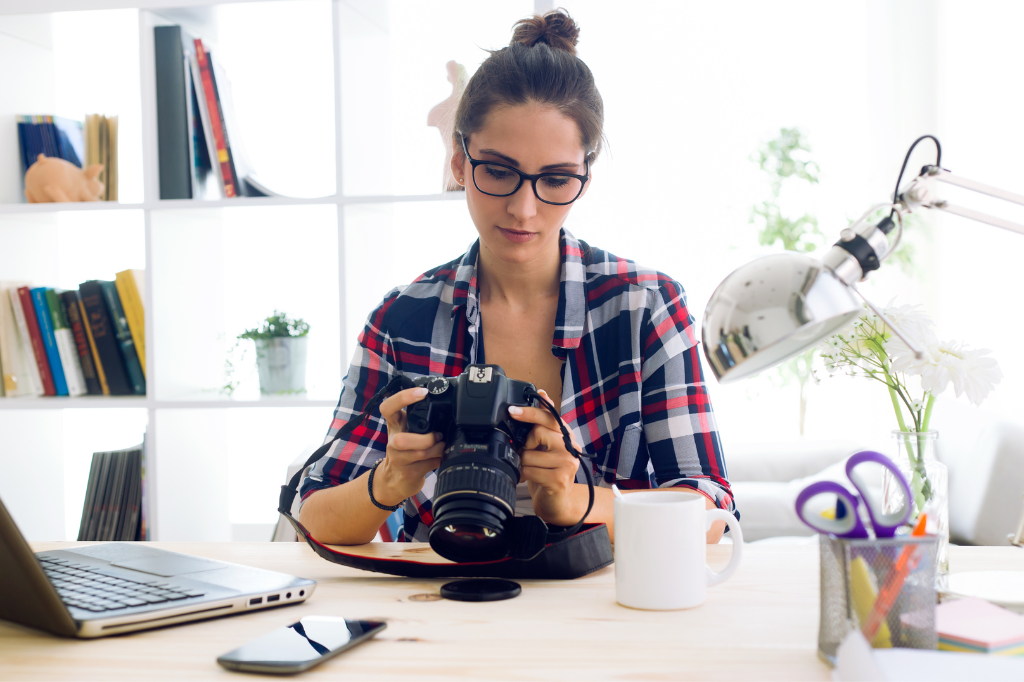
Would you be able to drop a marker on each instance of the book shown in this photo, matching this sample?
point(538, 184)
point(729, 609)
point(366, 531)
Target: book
point(19, 375)
point(124, 337)
point(98, 498)
point(70, 141)
point(104, 336)
point(105, 498)
point(111, 185)
point(255, 188)
point(222, 158)
point(104, 152)
point(73, 312)
point(28, 311)
point(131, 528)
point(205, 147)
point(49, 340)
point(100, 140)
point(115, 480)
point(92, 139)
point(104, 388)
point(53, 136)
point(174, 113)
point(248, 184)
point(65, 345)
point(90, 497)
point(203, 170)
point(131, 293)
point(11, 377)
point(114, 498)
point(145, 513)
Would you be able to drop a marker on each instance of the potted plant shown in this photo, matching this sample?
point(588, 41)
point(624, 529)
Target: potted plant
point(281, 344)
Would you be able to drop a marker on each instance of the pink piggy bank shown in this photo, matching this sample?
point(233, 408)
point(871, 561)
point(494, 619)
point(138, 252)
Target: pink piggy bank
point(51, 179)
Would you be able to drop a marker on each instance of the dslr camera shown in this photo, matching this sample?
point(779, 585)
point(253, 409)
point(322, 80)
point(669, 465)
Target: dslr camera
point(475, 495)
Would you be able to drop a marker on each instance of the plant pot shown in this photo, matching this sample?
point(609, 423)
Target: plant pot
point(281, 363)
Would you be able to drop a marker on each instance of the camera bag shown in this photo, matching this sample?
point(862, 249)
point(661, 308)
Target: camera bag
point(538, 552)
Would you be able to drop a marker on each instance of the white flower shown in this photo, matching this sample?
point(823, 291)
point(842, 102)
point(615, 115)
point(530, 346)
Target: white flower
point(971, 371)
point(912, 321)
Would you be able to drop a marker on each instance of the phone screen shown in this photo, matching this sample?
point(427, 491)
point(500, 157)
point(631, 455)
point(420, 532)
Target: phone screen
point(300, 645)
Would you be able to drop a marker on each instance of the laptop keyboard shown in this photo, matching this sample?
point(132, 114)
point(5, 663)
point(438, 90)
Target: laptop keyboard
point(91, 589)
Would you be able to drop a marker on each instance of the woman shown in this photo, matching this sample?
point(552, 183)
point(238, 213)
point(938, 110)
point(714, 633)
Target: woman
point(610, 341)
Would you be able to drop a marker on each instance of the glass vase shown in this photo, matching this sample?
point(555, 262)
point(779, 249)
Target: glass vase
point(929, 487)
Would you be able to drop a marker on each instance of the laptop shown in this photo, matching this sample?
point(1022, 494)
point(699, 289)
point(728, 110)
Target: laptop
point(112, 588)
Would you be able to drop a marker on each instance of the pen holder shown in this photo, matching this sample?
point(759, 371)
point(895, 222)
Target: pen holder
point(860, 577)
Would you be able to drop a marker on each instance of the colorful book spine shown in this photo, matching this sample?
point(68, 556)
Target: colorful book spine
point(104, 388)
point(124, 338)
point(103, 334)
point(65, 345)
point(127, 283)
point(49, 340)
point(10, 359)
point(38, 347)
point(78, 330)
point(31, 370)
point(217, 122)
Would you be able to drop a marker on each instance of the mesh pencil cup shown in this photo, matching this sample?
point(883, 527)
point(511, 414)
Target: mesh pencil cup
point(859, 575)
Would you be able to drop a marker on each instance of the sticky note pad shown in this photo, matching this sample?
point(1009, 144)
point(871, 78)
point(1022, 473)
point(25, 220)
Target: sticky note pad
point(976, 625)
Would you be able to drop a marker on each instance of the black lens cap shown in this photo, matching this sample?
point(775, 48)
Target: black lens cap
point(480, 589)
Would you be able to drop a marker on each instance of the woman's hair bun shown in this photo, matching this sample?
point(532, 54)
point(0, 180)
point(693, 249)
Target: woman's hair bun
point(556, 28)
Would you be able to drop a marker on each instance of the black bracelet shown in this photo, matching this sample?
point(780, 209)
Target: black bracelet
point(369, 488)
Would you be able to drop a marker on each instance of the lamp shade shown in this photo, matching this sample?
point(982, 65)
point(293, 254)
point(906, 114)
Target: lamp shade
point(770, 310)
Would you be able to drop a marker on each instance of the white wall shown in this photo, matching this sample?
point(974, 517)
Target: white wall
point(27, 87)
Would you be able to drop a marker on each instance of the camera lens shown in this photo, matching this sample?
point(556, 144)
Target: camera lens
point(474, 498)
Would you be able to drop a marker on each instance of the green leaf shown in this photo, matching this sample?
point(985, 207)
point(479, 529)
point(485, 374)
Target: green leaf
point(276, 326)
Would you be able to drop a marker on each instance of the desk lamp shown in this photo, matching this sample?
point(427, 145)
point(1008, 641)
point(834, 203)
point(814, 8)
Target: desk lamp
point(778, 306)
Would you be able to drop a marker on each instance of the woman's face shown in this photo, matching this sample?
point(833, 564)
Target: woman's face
point(532, 138)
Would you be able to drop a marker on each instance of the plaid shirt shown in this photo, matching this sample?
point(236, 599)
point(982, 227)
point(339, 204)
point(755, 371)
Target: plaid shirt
point(633, 391)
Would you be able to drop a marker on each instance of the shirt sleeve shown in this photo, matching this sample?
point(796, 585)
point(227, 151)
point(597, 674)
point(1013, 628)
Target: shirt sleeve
point(679, 424)
point(372, 367)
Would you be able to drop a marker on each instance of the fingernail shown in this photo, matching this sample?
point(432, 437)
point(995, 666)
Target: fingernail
point(512, 409)
point(439, 436)
point(419, 392)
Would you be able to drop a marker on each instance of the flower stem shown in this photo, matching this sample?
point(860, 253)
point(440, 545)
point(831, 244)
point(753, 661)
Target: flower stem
point(889, 381)
point(928, 412)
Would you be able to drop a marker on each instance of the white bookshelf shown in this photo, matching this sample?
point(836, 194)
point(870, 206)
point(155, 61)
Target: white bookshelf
point(372, 230)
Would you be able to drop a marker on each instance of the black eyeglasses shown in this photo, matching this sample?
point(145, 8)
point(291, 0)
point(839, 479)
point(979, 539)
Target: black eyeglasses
point(501, 180)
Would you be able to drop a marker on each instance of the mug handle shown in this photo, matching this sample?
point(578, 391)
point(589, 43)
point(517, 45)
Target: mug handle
point(737, 545)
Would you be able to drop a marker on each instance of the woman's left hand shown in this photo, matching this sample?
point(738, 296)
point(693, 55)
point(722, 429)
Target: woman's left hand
point(548, 468)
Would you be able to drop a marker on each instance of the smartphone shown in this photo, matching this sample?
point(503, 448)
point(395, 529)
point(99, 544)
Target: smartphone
point(301, 645)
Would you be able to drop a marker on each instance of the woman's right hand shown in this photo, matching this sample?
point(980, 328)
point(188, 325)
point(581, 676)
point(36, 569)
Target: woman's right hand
point(410, 456)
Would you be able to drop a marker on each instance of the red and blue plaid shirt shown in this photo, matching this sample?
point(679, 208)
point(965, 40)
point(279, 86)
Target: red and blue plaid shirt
point(633, 391)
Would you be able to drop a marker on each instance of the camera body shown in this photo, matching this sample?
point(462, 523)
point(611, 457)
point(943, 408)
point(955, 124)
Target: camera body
point(475, 494)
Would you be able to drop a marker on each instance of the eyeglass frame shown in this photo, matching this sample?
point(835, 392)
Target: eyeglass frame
point(526, 176)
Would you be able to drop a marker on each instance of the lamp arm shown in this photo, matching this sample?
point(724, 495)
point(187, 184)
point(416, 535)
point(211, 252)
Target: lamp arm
point(919, 195)
point(918, 353)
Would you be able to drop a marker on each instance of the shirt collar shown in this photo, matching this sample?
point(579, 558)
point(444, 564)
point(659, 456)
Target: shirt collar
point(569, 320)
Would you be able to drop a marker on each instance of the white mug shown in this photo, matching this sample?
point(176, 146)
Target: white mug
point(661, 549)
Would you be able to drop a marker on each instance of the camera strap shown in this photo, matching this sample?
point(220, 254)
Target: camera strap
point(580, 457)
point(537, 551)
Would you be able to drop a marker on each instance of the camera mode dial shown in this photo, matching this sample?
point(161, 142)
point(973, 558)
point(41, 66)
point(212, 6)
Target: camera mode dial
point(437, 385)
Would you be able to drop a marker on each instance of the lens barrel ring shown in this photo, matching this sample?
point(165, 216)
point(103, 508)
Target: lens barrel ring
point(477, 480)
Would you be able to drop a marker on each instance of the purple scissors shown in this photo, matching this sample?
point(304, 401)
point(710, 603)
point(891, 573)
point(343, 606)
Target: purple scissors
point(849, 525)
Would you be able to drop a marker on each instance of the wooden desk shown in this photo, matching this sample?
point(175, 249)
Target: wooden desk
point(761, 624)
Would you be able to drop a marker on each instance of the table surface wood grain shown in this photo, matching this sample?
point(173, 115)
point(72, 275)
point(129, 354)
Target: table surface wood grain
point(761, 624)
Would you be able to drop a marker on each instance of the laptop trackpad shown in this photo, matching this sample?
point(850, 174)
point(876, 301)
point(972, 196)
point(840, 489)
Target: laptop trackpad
point(168, 566)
